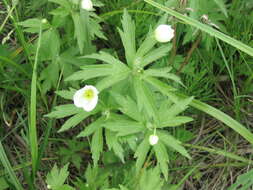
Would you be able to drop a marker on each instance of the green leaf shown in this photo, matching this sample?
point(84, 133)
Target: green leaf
point(64, 111)
point(91, 71)
point(75, 120)
point(146, 45)
point(128, 37)
point(179, 107)
point(161, 86)
point(80, 33)
point(3, 184)
point(127, 106)
point(145, 98)
point(97, 145)
point(124, 127)
point(173, 143)
point(151, 180)
point(57, 177)
point(65, 187)
point(175, 121)
point(94, 126)
point(162, 158)
point(7, 165)
point(243, 182)
point(33, 25)
point(155, 54)
point(222, 6)
point(63, 3)
point(66, 94)
point(50, 46)
point(112, 143)
point(141, 153)
point(163, 73)
point(107, 58)
point(111, 80)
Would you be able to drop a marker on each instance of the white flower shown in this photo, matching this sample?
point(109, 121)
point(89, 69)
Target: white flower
point(49, 186)
point(86, 98)
point(87, 5)
point(153, 139)
point(44, 21)
point(164, 33)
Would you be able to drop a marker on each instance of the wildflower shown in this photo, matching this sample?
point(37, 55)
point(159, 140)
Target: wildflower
point(87, 5)
point(153, 139)
point(49, 186)
point(164, 33)
point(86, 98)
point(44, 21)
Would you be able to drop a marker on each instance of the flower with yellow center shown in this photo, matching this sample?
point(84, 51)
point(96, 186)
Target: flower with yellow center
point(86, 98)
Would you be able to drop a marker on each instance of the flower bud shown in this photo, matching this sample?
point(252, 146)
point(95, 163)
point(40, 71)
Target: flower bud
point(164, 33)
point(87, 5)
point(153, 139)
point(44, 21)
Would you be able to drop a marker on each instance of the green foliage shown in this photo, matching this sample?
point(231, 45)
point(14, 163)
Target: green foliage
point(243, 182)
point(138, 82)
point(72, 152)
point(57, 177)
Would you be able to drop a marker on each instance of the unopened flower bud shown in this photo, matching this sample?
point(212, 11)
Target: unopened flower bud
point(164, 33)
point(153, 139)
point(87, 5)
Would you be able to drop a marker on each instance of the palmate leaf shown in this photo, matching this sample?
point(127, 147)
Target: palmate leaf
point(128, 37)
point(95, 125)
point(74, 120)
point(97, 145)
point(172, 142)
point(91, 71)
point(124, 127)
point(147, 44)
point(111, 80)
point(155, 54)
point(151, 180)
point(57, 177)
point(64, 111)
point(145, 98)
point(179, 107)
point(107, 58)
point(174, 121)
point(162, 157)
point(66, 94)
point(141, 153)
point(113, 143)
point(127, 106)
point(163, 73)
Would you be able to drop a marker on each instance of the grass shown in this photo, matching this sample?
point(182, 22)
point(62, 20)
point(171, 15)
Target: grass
point(218, 72)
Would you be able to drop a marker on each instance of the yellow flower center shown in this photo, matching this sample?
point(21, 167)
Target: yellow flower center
point(88, 94)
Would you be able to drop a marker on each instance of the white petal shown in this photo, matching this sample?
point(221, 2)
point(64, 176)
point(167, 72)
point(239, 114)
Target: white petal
point(153, 139)
point(87, 5)
point(90, 105)
point(164, 33)
point(78, 98)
